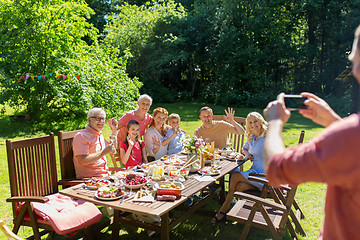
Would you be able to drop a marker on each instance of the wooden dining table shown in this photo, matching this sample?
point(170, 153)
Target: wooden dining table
point(122, 208)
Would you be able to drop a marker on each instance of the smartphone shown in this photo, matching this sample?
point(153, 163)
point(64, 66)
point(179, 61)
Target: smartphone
point(295, 102)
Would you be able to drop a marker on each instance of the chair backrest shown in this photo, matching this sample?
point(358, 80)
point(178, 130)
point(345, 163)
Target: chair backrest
point(115, 158)
point(32, 167)
point(8, 233)
point(301, 138)
point(238, 140)
point(66, 154)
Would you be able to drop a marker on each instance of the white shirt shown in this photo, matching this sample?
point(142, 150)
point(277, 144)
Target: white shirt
point(150, 133)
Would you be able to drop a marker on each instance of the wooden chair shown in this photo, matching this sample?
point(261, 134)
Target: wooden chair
point(33, 176)
point(271, 215)
point(262, 213)
point(115, 158)
point(238, 140)
point(8, 233)
point(299, 212)
point(66, 155)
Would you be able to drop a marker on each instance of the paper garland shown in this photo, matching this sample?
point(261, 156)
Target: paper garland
point(42, 77)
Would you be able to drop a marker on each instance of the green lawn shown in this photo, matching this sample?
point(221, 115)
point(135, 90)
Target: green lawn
point(310, 196)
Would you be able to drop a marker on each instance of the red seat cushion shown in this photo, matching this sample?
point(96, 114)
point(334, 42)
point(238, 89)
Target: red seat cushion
point(65, 214)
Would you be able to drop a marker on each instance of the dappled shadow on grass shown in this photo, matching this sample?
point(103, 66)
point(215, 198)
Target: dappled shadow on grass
point(196, 227)
point(12, 128)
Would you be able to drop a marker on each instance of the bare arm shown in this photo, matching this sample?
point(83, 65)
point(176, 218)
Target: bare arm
point(229, 116)
point(120, 125)
point(124, 156)
point(166, 141)
point(247, 154)
point(144, 155)
point(156, 143)
point(277, 115)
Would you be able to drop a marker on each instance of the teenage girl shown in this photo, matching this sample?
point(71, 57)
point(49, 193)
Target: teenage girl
point(132, 150)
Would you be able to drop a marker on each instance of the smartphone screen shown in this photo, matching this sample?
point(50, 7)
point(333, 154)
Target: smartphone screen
point(294, 102)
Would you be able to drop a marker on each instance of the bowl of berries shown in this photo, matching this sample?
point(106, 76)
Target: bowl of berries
point(134, 181)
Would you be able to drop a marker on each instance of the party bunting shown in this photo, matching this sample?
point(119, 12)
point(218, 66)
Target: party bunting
point(42, 77)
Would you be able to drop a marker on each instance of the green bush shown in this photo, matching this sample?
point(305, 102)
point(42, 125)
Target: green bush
point(50, 42)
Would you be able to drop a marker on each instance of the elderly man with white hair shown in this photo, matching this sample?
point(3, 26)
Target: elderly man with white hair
point(90, 148)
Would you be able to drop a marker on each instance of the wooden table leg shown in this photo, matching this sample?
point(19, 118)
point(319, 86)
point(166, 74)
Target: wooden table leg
point(222, 191)
point(116, 225)
point(165, 230)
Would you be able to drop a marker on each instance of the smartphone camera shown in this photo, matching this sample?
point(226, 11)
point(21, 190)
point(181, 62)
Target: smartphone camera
point(295, 102)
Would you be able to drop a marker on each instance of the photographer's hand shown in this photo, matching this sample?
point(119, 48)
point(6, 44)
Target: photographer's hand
point(318, 110)
point(276, 110)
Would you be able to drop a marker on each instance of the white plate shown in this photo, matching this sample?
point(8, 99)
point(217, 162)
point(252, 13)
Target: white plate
point(107, 199)
point(148, 198)
point(97, 187)
point(209, 173)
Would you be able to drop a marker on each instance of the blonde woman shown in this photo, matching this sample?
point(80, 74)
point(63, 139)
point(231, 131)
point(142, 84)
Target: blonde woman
point(253, 149)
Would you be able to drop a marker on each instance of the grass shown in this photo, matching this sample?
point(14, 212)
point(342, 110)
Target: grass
point(310, 196)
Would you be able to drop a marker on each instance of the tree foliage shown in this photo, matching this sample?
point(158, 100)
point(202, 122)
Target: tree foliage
point(43, 37)
point(237, 52)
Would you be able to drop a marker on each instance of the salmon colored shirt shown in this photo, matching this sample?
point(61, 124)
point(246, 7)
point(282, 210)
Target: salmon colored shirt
point(333, 157)
point(131, 116)
point(86, 142)
point(218, 133)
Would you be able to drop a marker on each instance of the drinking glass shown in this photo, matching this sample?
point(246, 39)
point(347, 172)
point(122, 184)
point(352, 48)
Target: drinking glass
point(112, 139)
point(229, 143)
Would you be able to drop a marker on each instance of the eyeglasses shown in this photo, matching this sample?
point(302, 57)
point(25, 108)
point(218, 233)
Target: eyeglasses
point(99, 119)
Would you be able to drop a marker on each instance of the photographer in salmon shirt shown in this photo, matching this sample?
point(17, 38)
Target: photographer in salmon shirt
point(332, 157)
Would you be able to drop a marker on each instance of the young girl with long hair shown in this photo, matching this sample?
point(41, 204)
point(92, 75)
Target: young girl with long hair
point(132, 150)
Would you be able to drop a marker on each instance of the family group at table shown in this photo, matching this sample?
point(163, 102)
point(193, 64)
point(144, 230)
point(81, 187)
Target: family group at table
point(162, 136)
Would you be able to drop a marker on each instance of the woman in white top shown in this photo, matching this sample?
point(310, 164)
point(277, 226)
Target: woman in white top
point(155, 144)
point(253, 149)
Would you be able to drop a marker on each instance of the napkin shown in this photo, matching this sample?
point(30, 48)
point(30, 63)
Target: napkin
point(205, 178)
point(146, 199)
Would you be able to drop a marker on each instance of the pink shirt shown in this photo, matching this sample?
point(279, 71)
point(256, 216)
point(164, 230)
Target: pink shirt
point(89, 141)
point(135, 157)
point(333, 157)
point(131, 116)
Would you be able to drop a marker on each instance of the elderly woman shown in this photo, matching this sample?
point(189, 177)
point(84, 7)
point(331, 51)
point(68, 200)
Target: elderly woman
point(140, 115)
point(256, 128)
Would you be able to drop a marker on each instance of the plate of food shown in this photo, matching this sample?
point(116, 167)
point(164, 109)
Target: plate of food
point(143, 195)
point(234, 156)
point(96, 183)
point(169, 188)
point(210, 171)
point(174, 161)
point(108, 193)
point(134, 181)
